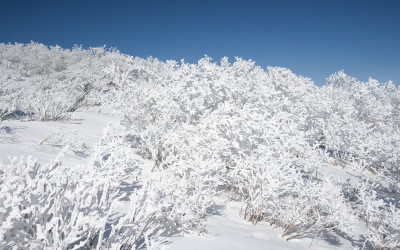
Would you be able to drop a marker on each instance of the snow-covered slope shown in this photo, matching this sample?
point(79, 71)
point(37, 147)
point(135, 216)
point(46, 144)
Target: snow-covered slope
point(43, 141)
point(111, 151)
point(225, 228)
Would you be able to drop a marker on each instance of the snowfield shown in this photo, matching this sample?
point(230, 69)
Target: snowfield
point(100, 150)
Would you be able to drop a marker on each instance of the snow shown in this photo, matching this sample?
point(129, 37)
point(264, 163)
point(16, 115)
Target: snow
point(34, 138)
point(225, 229)
point(102, 150)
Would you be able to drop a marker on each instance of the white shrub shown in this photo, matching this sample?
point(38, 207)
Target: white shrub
point(192, 132)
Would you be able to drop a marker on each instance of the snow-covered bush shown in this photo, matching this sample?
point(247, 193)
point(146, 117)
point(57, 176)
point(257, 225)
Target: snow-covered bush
point(46, 206)
point(284, 196)
point(203, 116)
point(66, 207)
point(232, 115)
point(375, 205)
point(48, 82)
point(191, 132)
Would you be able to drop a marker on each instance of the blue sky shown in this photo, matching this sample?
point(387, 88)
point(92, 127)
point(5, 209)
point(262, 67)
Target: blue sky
point(312, 38)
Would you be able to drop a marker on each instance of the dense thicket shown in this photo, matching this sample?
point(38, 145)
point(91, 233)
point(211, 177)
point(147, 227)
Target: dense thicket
point(305, 158)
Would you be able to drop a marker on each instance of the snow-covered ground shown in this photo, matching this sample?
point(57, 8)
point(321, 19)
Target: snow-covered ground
point(225, 229)
point(102, 150)
point(44, 140)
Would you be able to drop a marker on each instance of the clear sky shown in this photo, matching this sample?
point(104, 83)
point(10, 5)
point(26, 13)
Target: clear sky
point(312, 38)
